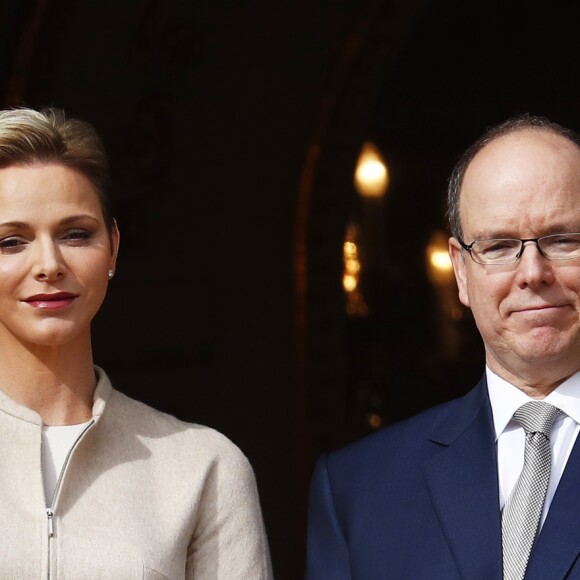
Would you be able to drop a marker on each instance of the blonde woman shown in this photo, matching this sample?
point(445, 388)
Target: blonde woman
point(94, 485)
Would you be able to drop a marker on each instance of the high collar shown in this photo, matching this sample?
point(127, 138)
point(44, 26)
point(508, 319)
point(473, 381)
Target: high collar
point(19, 411)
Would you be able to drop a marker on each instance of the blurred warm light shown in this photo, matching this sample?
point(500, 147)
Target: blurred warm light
point(355, 305)
point(449, 310)
point(351, 262)
point(350, 250)
point(439, 266)
point(375, 421)
point(349, 282)
point(352, 266)
point(456, 313)
point(440, 260)
point(371, 177)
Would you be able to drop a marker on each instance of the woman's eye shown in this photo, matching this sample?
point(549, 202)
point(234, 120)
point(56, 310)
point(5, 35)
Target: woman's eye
point(78, 236)
point(11, 245)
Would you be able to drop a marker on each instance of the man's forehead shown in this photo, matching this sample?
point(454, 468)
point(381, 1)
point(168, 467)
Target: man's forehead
point(529, 176)
point(508, 149)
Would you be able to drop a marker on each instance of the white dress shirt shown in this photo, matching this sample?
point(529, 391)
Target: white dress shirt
point(510, 438)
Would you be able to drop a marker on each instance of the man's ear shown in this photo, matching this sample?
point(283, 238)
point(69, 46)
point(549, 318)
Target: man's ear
point(460, 269)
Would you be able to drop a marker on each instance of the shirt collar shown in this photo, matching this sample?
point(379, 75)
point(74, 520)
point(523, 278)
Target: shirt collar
point(506, 399)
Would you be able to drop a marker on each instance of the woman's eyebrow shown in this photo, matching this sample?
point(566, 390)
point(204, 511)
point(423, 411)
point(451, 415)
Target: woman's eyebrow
point(65, 221)
point(16, 225)
point(75, 218)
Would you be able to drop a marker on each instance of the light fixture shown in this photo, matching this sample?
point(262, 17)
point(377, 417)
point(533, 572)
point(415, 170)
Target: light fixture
point(439, 266)
point(371, 177)
point(355, 304)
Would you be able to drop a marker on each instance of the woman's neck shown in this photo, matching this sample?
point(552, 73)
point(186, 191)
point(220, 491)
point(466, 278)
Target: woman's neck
point(57, 382)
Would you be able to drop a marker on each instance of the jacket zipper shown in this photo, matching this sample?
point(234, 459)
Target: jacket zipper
point(50, 510)
point(50, 515)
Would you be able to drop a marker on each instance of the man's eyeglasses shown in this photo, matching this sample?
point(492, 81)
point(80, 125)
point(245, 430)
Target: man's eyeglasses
point(508, 251)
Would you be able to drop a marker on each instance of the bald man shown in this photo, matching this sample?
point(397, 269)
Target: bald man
point(474, 489)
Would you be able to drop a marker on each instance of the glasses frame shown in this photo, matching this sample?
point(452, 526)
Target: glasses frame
point(469, 247)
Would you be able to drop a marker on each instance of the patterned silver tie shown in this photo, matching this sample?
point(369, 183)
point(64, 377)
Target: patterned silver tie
point(523, 510)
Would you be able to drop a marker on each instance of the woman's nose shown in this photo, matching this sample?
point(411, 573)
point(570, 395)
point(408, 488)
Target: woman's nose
point(48, 261)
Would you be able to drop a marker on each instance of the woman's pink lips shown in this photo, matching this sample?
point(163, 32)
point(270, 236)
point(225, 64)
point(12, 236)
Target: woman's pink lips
point(51, 301)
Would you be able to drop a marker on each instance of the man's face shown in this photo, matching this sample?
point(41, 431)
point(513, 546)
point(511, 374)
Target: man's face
point(523, 185)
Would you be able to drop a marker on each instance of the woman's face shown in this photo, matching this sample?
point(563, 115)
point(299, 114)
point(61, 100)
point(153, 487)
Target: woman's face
point(55, 255)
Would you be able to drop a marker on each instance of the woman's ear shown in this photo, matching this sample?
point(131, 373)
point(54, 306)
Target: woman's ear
point(115, 239)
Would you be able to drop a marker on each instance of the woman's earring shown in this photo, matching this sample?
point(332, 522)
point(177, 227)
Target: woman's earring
point(111, 273)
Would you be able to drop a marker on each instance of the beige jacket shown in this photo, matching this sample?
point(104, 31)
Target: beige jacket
point(142, 495)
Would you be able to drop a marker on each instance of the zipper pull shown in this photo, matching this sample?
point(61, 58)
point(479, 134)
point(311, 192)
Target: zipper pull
point(50, 516)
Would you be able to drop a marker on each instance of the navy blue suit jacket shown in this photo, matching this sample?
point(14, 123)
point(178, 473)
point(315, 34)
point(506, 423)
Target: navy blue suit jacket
point(420, 500)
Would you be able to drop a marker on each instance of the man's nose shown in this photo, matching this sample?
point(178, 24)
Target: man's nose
point(533, 267)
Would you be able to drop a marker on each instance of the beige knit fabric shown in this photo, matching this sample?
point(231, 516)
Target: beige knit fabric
point(144, 495)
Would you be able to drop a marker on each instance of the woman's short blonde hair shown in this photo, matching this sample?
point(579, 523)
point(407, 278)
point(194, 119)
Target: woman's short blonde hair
point(28, 136)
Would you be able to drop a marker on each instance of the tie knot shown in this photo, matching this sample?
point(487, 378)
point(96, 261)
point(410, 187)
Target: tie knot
point(537, 417)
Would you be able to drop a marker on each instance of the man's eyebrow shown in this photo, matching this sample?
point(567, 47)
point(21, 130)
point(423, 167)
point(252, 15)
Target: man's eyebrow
point(563, 229)
point(506, 234)
point(493, 235)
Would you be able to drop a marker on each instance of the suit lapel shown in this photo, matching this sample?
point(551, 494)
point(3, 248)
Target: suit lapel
point(558, 544)
point(462, 480)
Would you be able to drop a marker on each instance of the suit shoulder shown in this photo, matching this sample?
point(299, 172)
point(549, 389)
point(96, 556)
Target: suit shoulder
point(406, 439)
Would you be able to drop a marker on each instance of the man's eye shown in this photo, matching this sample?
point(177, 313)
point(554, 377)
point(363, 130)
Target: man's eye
point(565, 241)
point(498, 247)
point(563, 246)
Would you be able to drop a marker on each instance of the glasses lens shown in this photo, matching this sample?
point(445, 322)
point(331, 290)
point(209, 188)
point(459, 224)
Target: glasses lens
point(496, 251)
point(561, 246)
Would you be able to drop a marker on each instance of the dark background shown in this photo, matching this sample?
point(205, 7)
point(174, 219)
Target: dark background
point(233, 129)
